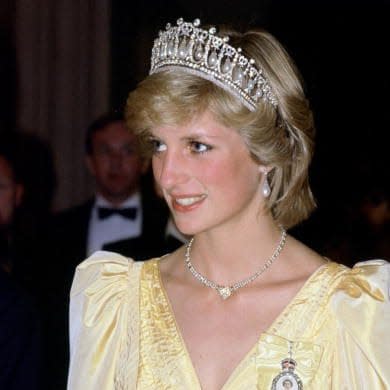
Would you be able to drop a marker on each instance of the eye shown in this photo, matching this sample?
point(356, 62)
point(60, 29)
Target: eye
point(199, 147)
point(157, 146)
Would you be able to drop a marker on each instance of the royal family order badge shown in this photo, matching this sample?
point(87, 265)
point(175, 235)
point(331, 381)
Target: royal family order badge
point(287, 379)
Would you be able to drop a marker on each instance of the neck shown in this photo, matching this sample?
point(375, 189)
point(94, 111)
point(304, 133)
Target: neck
point(115, 201)
point(228, 256)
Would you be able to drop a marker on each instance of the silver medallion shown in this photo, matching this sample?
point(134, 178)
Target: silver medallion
point(287, 379)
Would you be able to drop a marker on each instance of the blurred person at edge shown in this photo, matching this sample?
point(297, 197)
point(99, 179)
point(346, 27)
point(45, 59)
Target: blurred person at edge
point(20, 337)
point(11, 192)
point(23, 246)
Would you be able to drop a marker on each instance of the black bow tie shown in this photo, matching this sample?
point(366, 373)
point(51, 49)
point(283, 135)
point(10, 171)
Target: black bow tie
point(128, 212)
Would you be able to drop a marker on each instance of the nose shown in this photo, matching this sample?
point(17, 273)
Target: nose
point(116, 159)
point(169, 169)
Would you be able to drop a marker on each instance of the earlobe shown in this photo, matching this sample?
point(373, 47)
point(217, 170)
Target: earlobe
point(264, 169)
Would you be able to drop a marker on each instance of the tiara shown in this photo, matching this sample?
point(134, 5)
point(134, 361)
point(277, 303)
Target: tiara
point(201, 52)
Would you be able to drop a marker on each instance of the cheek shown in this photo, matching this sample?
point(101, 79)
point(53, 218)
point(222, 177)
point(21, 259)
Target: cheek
point(133, 165)
point(5, 196)
point(98, 166)
point(230, 175)
point(7, 201)
point(216, 173)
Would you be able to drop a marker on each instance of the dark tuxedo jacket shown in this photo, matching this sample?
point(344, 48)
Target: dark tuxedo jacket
point(69, 233)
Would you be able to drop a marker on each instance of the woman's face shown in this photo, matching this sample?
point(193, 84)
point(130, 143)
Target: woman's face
point(206, 174)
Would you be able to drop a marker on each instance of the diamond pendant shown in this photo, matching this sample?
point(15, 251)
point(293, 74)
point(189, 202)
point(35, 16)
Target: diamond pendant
point(224, 292)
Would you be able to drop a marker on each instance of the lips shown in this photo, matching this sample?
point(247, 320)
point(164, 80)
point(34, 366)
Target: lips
point(187, 203)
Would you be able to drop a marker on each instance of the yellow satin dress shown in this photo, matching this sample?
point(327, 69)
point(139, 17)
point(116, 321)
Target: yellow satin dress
point(124, 335)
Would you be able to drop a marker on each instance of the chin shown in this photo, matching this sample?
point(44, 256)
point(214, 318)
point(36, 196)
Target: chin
point(188, 228)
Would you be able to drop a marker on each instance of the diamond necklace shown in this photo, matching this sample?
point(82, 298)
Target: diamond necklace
point(226, 291)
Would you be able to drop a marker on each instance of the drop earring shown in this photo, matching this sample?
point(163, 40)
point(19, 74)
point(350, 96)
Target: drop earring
point(266, 188)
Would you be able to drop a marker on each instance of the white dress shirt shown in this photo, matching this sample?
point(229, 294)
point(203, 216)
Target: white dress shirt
point(115, 227)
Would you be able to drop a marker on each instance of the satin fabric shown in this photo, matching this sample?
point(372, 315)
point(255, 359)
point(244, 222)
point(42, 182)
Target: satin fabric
point(124, 335)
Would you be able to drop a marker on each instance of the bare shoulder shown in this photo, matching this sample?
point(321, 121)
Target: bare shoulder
point(301, 260)
point(287, 276)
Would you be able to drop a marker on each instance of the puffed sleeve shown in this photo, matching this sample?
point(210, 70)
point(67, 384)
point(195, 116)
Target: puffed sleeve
point(103, 322)
point(362, 311)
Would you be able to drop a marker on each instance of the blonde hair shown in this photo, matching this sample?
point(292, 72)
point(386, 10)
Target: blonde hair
point(281, 139)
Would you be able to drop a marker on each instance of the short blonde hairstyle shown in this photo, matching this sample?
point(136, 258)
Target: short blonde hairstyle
point(281, 139)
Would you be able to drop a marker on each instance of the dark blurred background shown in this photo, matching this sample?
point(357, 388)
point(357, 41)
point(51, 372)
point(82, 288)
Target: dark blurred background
point(63, 63)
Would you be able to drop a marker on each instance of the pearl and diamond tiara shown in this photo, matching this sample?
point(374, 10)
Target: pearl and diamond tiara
point(201, 52)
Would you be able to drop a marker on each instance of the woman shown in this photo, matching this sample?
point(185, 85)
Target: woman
point(243, 305)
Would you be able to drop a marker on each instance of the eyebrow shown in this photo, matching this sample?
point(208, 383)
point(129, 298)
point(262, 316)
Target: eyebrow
point(195, 135)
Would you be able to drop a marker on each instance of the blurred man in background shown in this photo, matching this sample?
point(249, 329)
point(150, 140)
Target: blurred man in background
point(123, 216)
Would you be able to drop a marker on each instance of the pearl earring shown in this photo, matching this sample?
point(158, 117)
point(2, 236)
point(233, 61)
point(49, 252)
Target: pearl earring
point(266, 188)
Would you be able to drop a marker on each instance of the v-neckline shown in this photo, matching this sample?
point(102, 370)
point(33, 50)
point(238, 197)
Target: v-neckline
point(273, 326)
